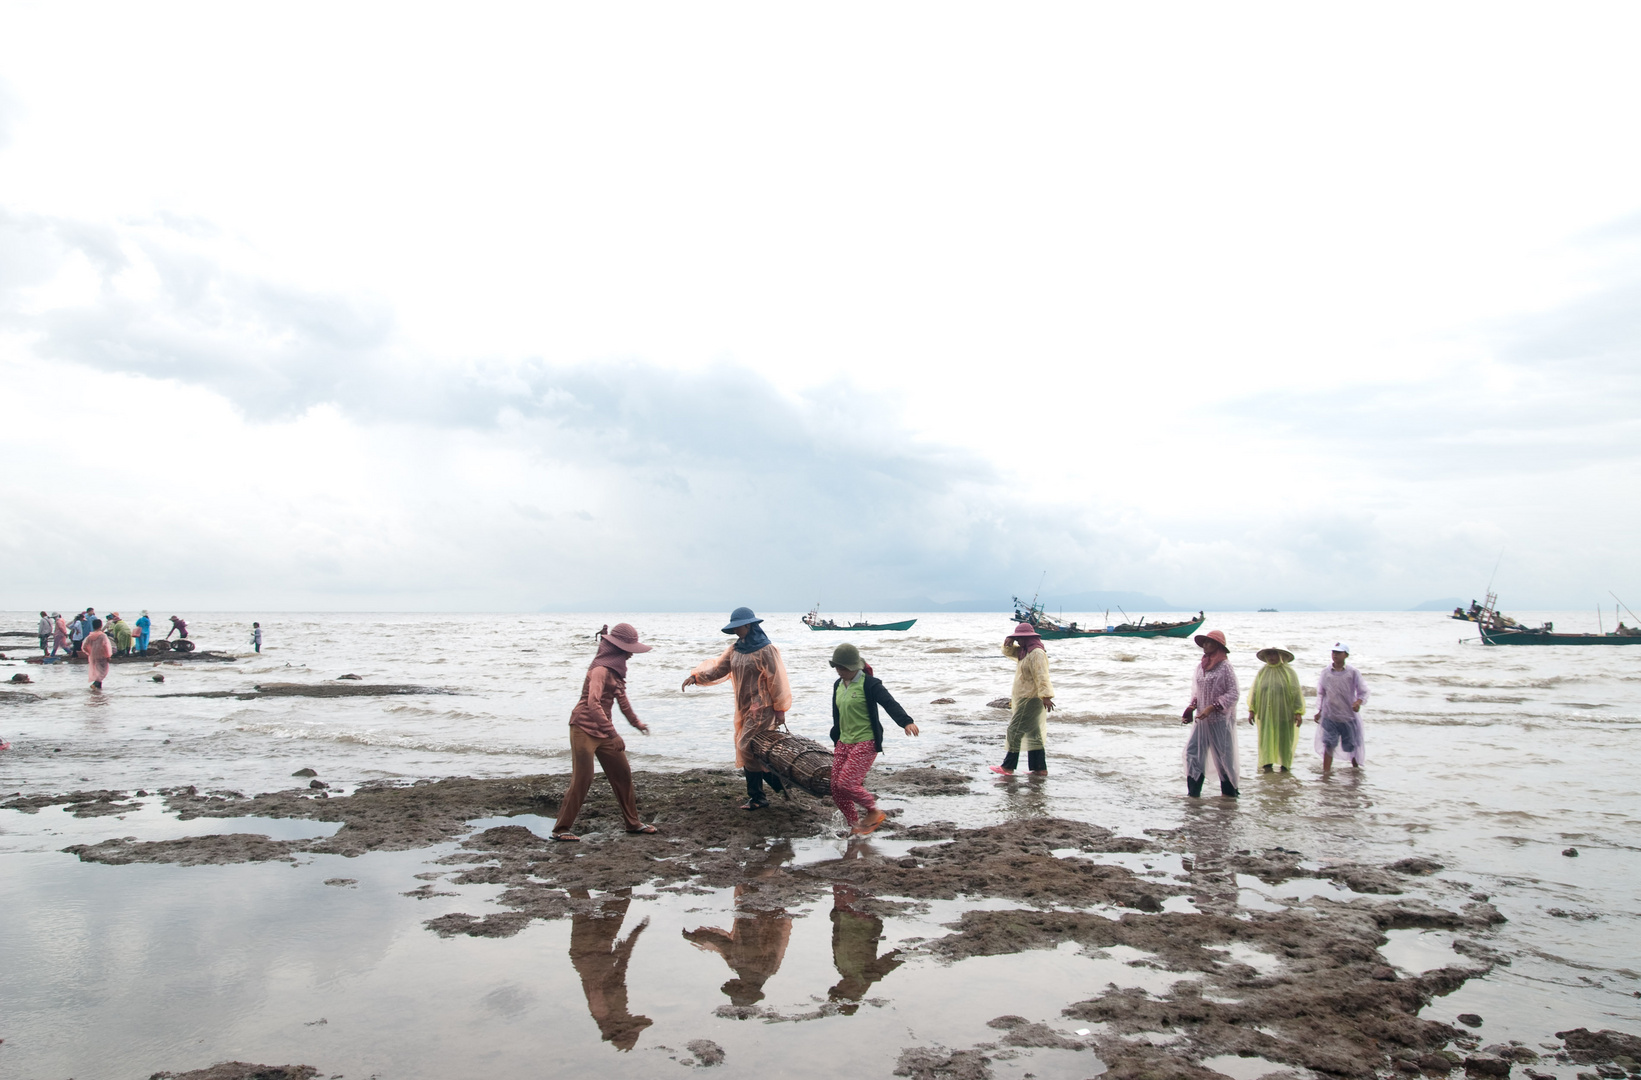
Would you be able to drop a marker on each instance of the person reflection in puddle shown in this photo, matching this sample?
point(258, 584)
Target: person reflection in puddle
point(600, 958)
point(753, 950)
point(855, 937)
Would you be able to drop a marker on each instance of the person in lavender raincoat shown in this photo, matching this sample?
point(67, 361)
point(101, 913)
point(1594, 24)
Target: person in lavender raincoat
point(1212, 716)
point(1340, 693)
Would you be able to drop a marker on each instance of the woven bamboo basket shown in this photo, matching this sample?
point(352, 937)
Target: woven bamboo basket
point(804, 762)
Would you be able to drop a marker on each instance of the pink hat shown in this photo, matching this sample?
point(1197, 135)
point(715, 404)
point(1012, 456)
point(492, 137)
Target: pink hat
point(625, 638)
point(1025, 629)
point(1216, 636)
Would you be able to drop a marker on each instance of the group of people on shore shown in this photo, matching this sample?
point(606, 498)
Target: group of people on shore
point(763, 696)
point(71, 636)
point(100, 640)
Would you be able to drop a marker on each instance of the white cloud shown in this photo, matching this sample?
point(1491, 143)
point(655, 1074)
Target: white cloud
point(554, 306)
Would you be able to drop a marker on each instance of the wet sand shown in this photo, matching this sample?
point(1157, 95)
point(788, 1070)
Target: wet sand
point(1304, 988)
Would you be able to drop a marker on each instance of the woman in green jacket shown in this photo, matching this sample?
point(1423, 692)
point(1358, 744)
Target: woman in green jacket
point(1276, 704)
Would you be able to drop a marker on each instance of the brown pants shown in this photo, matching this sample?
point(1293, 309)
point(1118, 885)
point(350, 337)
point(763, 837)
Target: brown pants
point(612, 756)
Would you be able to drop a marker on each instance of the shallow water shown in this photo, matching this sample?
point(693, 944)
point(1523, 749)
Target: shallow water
point(1488, 760)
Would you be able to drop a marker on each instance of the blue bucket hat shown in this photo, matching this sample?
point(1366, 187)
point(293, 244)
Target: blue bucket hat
point(741, 616)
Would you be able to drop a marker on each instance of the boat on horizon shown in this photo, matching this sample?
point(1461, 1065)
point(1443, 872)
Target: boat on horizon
point(814, 621)
point(1050, 630)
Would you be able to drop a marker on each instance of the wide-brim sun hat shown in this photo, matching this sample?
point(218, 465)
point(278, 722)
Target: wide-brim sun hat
point(846, 656)
point(1025, 629)
point(1215, 636)
point(624, 637)
point(1340, 646)
point(1266, 654)
point(741, 616)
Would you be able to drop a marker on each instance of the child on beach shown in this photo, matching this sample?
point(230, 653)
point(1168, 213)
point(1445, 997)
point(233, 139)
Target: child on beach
point(857, 735)
point(1340, 693)
point(256, 635)
point(1030, 702)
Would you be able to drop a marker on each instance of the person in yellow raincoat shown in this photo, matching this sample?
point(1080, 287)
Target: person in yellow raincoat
point(1030, 702)
point(762, 697)
point(1276, 704)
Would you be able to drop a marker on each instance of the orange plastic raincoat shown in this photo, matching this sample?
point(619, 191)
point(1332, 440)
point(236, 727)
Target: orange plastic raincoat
point(762, 695)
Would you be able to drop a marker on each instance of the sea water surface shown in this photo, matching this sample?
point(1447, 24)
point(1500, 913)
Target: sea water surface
point(1493, 761)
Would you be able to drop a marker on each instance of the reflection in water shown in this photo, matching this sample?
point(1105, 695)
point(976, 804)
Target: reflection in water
point(753, 950)
point(855, 937)
point(600, 958)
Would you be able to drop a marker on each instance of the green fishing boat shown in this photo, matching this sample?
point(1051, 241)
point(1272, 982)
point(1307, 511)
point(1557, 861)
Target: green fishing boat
point(1544, 636)
point(1051, 630)
point(814, 621)
point(1497, 630)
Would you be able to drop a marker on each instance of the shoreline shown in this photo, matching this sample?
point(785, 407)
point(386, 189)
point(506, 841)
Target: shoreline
point(1250, 982)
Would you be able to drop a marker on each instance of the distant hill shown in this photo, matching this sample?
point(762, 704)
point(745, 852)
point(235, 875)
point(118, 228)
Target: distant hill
point(1441, 605)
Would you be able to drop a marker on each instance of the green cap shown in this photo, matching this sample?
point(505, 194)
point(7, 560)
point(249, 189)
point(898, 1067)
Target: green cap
point(848, 657)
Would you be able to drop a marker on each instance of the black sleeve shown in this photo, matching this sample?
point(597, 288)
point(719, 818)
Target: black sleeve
point(835, 720)
point(881, 695)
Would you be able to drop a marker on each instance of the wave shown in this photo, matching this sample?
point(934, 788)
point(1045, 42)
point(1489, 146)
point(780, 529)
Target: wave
point(1459, 683)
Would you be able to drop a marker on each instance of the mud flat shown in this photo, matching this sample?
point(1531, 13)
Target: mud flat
point(315, 690)
point(1304, 988)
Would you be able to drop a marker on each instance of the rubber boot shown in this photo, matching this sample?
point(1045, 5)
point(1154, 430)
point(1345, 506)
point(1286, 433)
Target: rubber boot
point(1226, 789)
point(1193, 786)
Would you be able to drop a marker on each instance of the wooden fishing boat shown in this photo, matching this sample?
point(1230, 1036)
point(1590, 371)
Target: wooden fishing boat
point(1518, 635)
point(1497, 630)
point(814, 621)
point(1051, 630)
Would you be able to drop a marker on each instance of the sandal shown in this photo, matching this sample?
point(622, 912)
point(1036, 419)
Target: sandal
point(1000, 771)
point(755, 804)
point(567, 838)
point(644, 829)
point(870, 825)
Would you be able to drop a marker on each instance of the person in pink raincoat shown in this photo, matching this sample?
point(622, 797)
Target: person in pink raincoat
point(97, 649)
point(59, 634)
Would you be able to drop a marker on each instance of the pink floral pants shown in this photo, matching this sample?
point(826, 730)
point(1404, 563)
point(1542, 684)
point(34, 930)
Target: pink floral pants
point(850, 763)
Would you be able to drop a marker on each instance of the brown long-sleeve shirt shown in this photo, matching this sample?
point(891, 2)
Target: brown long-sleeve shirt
point(592, 713)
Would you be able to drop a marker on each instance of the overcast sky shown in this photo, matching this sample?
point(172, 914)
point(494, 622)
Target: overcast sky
point(683, 306)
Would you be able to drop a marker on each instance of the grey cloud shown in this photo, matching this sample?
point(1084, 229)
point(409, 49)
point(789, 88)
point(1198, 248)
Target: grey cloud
point(714, 480)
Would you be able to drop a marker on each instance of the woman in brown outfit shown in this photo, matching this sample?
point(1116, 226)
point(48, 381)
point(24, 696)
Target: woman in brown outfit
point(592, 732)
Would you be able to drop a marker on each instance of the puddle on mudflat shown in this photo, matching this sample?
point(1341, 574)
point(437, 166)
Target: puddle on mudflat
point(176, 968)
point(1248, 1068)
point(1418, 951)
point(53, 828)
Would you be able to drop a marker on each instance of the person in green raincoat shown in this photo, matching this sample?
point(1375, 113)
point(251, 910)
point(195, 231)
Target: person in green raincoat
point(1276, 704)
